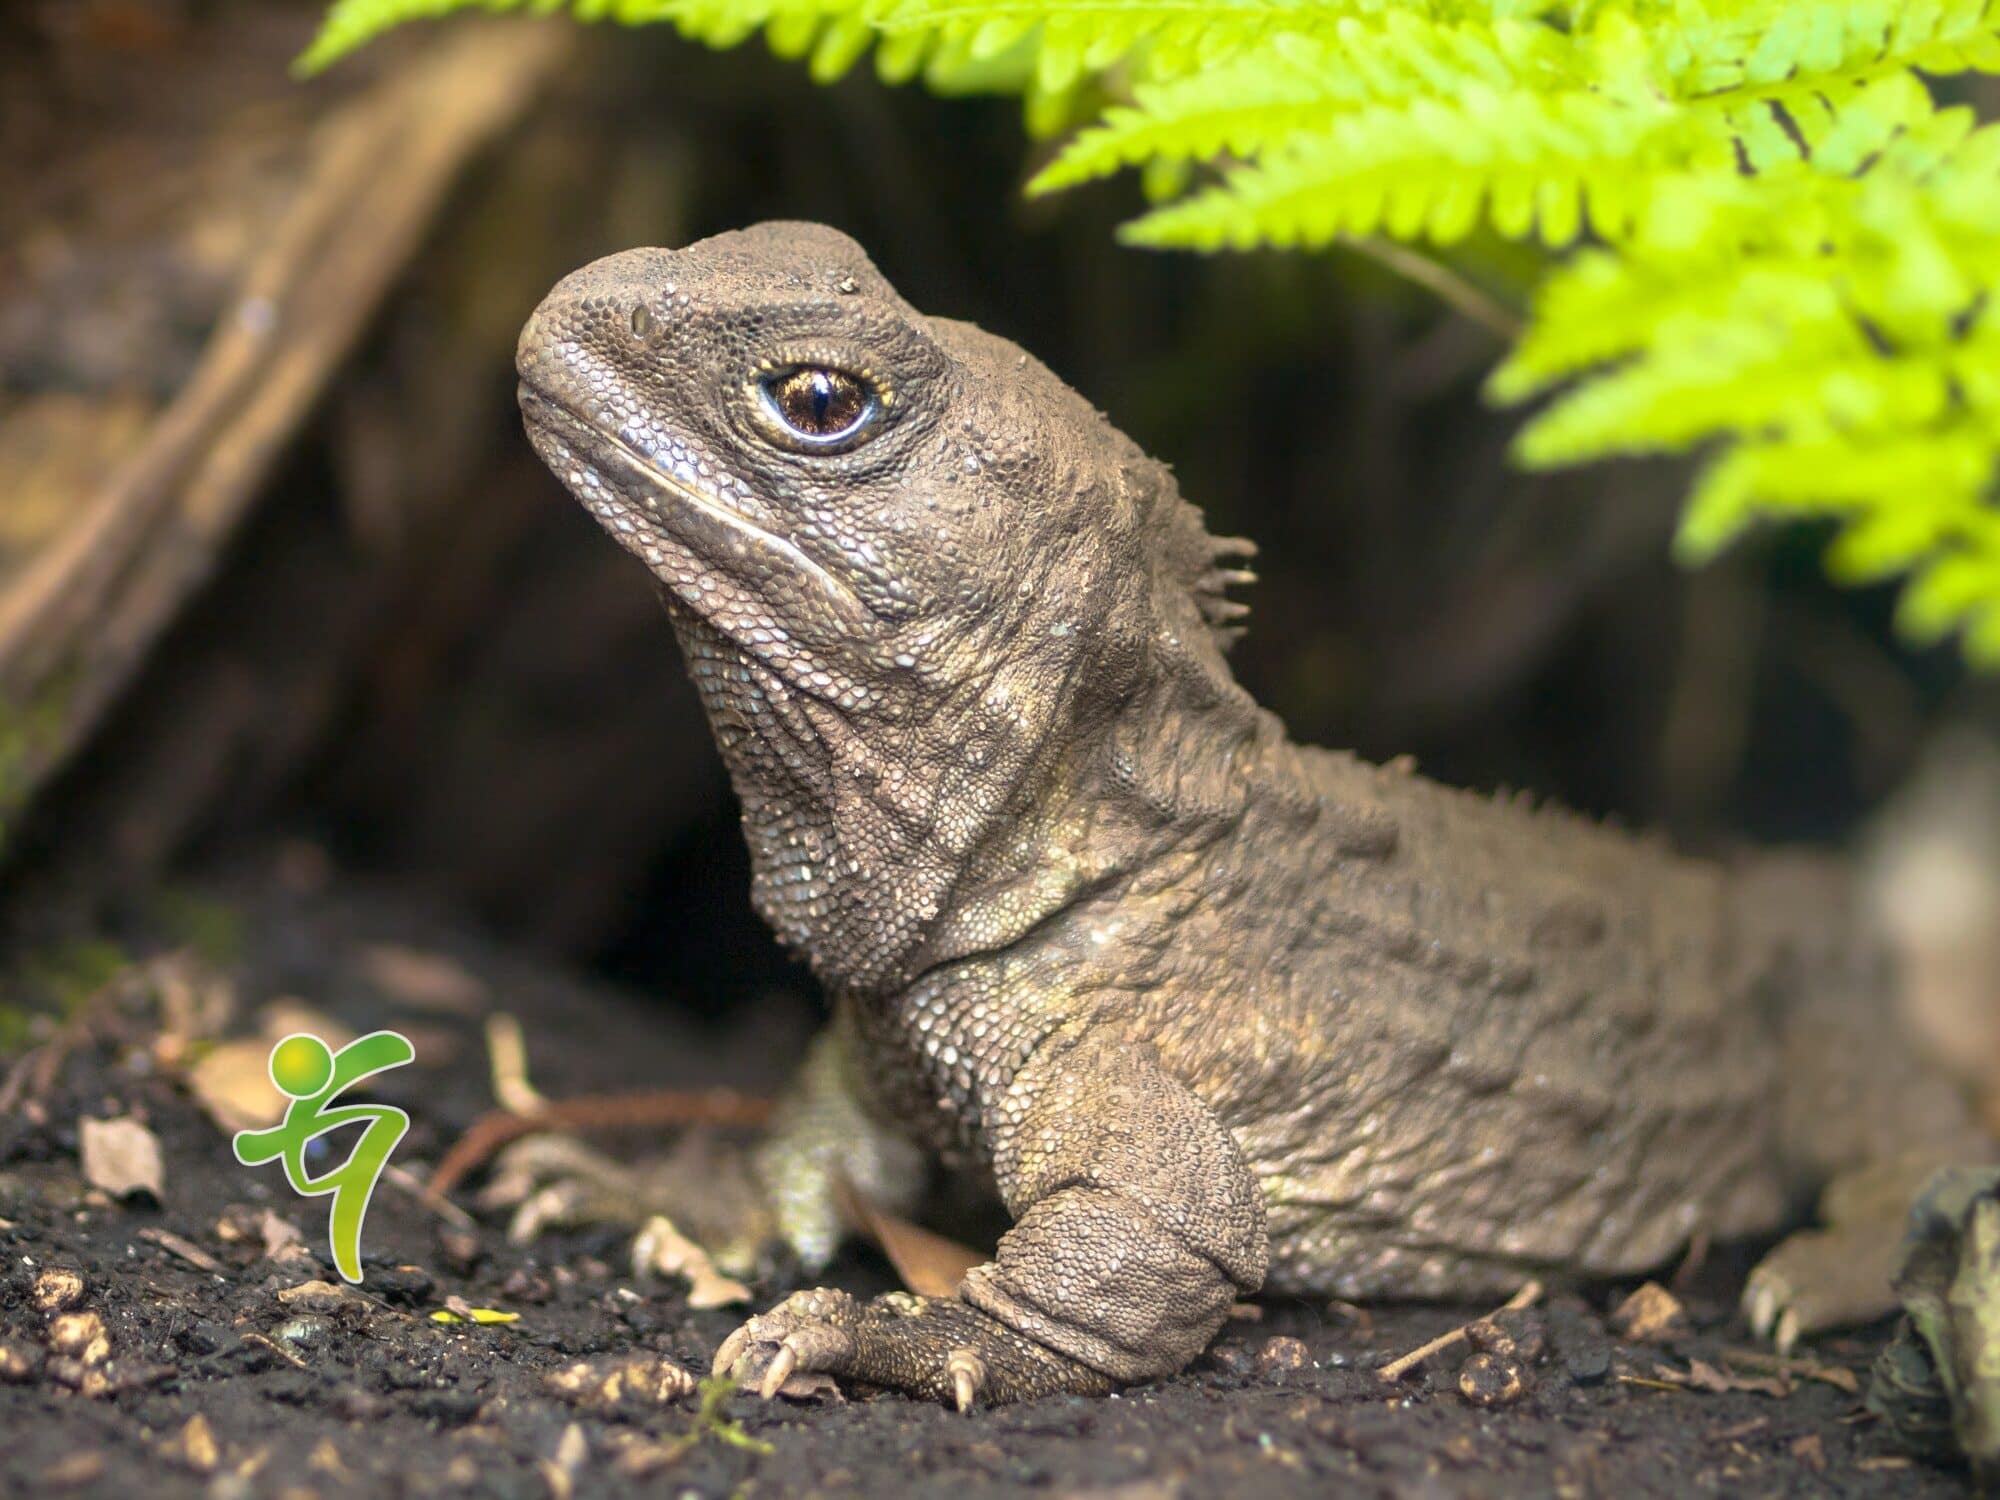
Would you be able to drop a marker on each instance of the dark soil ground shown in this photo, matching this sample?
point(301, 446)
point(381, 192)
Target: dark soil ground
point(311, 1394)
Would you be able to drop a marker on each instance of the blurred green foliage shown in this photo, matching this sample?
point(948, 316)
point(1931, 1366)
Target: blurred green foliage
point(1765, 239)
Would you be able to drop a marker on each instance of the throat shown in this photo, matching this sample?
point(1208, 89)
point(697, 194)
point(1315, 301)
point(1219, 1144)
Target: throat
point(876, 860)
point(1123, 812)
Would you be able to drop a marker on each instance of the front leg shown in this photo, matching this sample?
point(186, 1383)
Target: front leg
point(1137, 1224)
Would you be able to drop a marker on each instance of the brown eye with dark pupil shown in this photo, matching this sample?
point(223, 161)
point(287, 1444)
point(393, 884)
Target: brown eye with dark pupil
point(819, 404)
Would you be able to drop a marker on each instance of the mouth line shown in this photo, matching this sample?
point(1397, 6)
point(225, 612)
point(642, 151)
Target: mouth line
point(847, 603)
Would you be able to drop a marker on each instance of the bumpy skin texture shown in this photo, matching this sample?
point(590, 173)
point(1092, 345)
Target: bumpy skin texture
point(1218, 1012)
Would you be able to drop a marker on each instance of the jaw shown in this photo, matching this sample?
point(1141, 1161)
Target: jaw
point(747, 582)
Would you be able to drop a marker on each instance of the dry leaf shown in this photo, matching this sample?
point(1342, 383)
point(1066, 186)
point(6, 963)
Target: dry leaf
point(1700, 1375)
point(288, 1014)
point(194, 1445)
point(1810, 1450)
point(281, 1236)
point(232, 1080)
point(928, 1264)
point(232, 1084)
point(1796, 1366)
point(1838, 1376)
point(1650, 1314)
point(457, 1310)
point(426, 981)
point(242, 1225)
point(320, 1296)
point(662, 1248)
point(1704, 1376)
point(185, 1249)
point(121, 1157)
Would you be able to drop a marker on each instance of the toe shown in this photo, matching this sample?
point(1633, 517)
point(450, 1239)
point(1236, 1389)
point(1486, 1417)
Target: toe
point(1788, 1330)
point(803, 1335)
point(1821, 1279)
point(1762, 1299)
point(733, 1349)
point(783, 1363)
point(967, 1373)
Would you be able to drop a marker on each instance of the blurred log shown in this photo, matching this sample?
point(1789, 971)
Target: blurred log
point(91, 576)
point(423, 645)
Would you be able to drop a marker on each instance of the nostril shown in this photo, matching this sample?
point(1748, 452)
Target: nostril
point(642, 320)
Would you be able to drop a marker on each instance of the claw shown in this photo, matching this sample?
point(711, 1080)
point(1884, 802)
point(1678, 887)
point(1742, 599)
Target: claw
point(968, 1375)
point(1763, 1308)
point(731, 1351)
point(1788, 1330)
point(783, 1363)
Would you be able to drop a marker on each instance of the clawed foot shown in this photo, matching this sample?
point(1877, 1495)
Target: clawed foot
point(704, 1186)
point(1822, 1278)
point(936, 1348)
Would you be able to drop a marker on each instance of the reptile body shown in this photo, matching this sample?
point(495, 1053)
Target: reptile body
point(1216, 1011)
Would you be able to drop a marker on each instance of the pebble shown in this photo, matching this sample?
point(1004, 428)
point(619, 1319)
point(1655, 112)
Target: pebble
point(531, 1287)
point(1589, 1365)
point(1283, 1356)
point(1232, 1358)
point(194, 1445)
point(1491, 1380)
point(1652, 1314)
point(19, 1362)
point(1525, 1328)
point(80, 1336)
point(637, 1380)
point(402, 1286)
point(302, 1332)
point(56, 1290)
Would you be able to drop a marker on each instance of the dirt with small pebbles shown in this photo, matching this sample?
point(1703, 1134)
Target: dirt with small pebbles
point(186, 1347)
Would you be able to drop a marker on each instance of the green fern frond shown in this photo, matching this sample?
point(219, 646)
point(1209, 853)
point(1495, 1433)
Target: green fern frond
point(1791, 254)
point(1830, 335)
point(832, 35)
point(1531, 129)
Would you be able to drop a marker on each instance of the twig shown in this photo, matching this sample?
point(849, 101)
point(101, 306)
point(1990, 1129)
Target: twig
point(276, 1348)
point(1652, 1385)
point(651, 1110)
point(508, 1049)
point(1838, 1376)
point(187, 1250)
point(1396, 1369)
point(406, 1181)
point(1434, 276)
point(35, 1073)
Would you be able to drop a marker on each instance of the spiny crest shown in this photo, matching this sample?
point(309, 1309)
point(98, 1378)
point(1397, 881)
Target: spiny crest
point(1224, 614)
point(1203, 567)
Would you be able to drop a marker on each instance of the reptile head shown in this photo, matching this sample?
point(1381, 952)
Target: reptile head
point(904, 558)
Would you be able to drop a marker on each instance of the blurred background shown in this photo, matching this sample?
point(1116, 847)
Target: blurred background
point(278, 571)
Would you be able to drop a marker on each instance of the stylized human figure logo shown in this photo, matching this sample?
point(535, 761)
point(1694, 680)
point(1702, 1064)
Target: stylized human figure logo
point(311, 1075)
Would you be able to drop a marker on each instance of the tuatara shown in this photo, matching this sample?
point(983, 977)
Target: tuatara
point(1217, 1011)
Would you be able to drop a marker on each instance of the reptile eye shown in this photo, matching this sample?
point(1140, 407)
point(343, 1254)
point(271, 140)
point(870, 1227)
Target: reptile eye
point(817, 405)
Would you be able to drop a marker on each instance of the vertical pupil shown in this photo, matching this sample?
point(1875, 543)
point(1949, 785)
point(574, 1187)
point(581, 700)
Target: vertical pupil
point(818, 402)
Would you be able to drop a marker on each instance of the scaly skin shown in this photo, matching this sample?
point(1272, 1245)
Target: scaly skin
point(1217, 1012)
